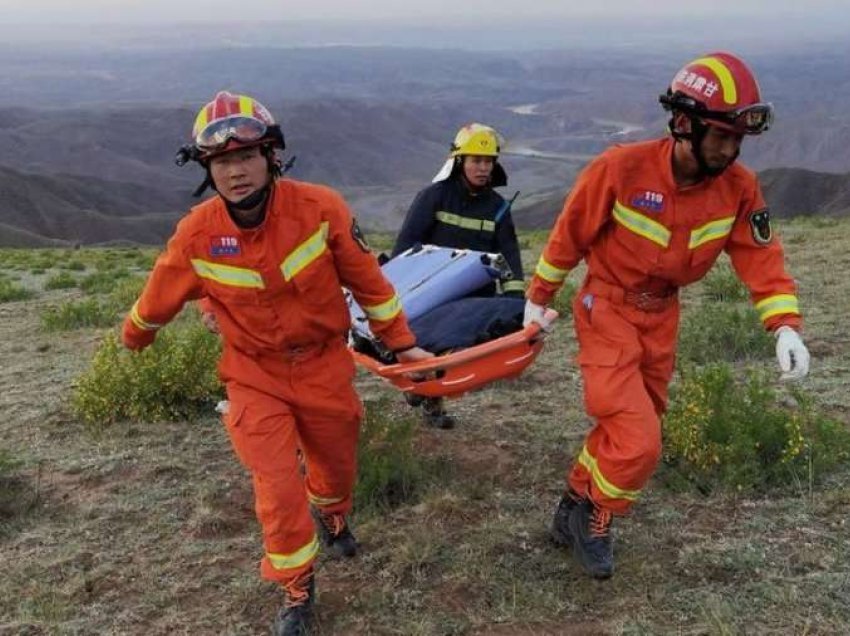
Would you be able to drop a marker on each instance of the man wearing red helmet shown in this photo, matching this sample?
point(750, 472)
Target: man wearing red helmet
point(648, 218)
point(270, 257)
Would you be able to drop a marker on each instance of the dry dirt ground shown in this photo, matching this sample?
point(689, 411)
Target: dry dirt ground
point(147, 528)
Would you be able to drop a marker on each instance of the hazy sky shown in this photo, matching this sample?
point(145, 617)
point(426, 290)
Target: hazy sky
point(47, 11)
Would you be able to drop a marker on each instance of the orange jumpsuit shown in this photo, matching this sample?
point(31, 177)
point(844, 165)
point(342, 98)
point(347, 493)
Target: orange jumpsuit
point(643, 238)
point(276, 293)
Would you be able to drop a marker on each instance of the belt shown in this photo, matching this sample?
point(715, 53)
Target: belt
point(648, 300)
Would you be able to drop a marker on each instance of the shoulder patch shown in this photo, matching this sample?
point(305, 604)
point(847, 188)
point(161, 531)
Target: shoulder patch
point(357, 235)
point(760, 226)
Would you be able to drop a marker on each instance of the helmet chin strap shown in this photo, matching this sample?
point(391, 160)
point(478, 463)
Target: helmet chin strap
point(696, 137)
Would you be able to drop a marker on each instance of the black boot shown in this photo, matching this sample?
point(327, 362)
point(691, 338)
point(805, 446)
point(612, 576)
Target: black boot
point(435, 415)
point(590, 531)
point(297, 613)
point(335, 533)
point(560, 531)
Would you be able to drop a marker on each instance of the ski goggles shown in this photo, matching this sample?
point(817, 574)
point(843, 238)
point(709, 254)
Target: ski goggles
point(216, 135)
point(751, 120)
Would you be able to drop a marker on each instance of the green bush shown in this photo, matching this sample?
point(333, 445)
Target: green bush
point(173, 379)
point(75, 266)
point(63, 280)
point(76, 314)
point(103, 281)
point(390, 470)
point(9, 291)
point(736, 434)
point(719, 332)
point(722, 285)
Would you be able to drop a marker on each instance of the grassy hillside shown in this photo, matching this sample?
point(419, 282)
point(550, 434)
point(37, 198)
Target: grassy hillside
point(148, 528)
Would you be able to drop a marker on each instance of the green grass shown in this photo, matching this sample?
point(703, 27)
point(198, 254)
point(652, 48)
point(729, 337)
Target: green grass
point(62, 280)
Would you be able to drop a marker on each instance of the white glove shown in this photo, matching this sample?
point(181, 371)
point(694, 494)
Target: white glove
point(535, 313)
point(792, 354)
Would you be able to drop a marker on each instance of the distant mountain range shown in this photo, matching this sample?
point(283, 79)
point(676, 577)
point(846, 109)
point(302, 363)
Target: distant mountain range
point(89, 137)
point(41, 211)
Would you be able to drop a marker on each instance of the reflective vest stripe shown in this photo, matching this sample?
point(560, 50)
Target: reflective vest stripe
point(513, 285)
point(306, 253)
point(549, 272)
point(466, 223)
point(641, 225)
point(301, 556)
point(778, 304)
point(227, 274)
point(385, 311)
point(610, 490)
point(711, 231)
point(139, 322)
point(323, 501)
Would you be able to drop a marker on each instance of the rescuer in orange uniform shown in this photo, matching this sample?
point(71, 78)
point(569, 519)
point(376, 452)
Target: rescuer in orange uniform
point(270, 257)
point(648, 218)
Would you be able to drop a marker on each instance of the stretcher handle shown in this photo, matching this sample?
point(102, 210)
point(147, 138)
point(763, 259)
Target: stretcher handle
point(439, 363)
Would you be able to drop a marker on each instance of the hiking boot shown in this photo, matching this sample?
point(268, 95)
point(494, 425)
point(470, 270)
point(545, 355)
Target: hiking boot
point(560, 531)
point(297, 613)
point(435, 416)
point(414, 400)
point(335, 533)
point(589, 528)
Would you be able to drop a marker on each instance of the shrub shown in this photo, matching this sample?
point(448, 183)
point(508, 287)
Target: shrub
point(103, 281)
point(63, 280)
point(390, 471)
point(173, 379)
point(9, 291)
point(77, 314)
point(722, 285)
point(731, 434)
point(722, 332)
point(75, 265)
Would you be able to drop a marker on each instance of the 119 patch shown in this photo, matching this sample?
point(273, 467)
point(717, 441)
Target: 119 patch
point(760, 226)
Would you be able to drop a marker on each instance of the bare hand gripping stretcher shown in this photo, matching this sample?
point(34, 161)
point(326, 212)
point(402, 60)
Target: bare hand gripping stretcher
point(435, 285)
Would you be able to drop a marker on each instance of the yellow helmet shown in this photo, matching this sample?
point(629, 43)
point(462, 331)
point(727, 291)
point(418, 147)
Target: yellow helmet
point(477, 139)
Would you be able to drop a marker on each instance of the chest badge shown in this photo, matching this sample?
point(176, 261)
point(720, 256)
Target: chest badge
point(648, 201)
point(225, 246)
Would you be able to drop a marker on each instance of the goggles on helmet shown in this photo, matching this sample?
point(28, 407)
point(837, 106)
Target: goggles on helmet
point(749, 120)
point(217, 134)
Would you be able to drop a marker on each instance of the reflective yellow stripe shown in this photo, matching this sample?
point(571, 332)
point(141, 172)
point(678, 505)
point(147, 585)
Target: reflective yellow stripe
point(711, 231)
point(295, 559)
point(779, 304)
point(323, 501)
point(610, 490)
point(246, 106)
point(200, 121)
point(641, 225)
point(727, 82)
point(384, 311)
point(514, 285)
point(139, 322)
point(465, 222)
point(549, 272)
point(227, 274)
point(306, 253)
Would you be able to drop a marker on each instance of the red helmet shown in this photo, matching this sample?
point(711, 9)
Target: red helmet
point(722, 90)
point(229, 122)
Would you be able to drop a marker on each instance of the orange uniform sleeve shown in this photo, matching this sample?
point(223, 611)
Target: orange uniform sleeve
point(759, 261)
point(171, 283)
point(586, 211)
point(359, 271)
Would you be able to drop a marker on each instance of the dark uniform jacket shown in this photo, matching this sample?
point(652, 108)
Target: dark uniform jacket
point(446, 213)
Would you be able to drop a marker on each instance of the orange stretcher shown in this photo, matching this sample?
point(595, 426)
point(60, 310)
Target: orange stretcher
point(456, 373)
